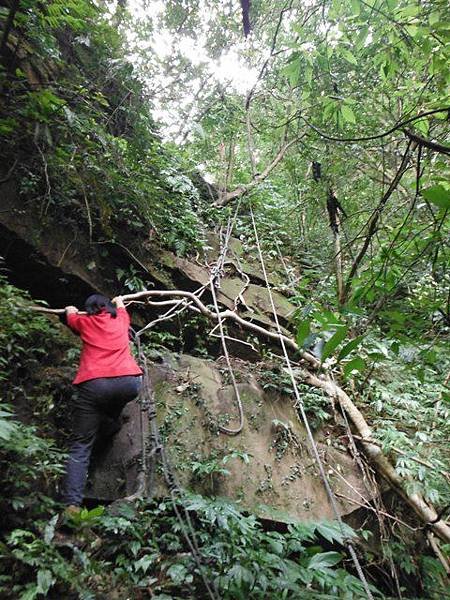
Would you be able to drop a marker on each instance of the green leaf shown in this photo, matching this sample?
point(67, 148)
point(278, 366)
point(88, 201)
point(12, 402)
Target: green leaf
point(96, 512)
point(198, 129)
point(434, 18)
point(144, 562)
point(409, 11)
point(276, 546)
point(333, 531)
point(446, 397)
point(357, 364)
point(395, 347)
point(348, 114)
point(44, 581)
point(361, 39)
point(177, 573)
point(334, 342)
point(30, 593)
point(292, 71)
point(303, 332)
point(351, 345)
point(437, 194)
point(349, 56)
point(326, 317)
point(49, 530)
point(308, 72)
point(7, 428)
point(356, 7)
point(324, 559)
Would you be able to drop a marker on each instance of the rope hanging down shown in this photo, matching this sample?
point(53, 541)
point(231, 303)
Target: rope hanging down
point(147, 401)
point(301, 408)
point(147, 471)
point(214, 283)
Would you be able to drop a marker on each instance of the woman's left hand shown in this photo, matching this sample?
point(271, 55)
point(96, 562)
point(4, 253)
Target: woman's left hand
point(70, 310)
point(118, 301)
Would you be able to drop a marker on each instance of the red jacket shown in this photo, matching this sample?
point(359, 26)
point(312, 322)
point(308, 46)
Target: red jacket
point(106, 347)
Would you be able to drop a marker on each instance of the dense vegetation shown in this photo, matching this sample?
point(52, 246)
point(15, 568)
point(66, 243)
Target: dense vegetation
point(337, 140)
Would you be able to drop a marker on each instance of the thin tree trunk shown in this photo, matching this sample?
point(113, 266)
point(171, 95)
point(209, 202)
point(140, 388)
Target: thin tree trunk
point(338, 262)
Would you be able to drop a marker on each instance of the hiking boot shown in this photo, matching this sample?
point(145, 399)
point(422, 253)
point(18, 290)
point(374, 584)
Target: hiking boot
point(66, 516)
point(71, 510)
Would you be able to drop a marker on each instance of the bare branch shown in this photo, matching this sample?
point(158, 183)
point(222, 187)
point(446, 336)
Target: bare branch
point(244, 189)
point(377, 136)
point(427, 143)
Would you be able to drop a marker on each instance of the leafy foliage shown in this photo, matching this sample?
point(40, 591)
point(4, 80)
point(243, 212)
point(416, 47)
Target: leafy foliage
point(144, 548)
point(358, 88)
point(96, 157)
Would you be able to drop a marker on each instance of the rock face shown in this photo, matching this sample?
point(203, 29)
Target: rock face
point(267, 468)
point(63, 266)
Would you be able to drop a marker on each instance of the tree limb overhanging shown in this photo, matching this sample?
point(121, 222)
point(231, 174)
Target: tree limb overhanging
point(427, 143)
point(376, 136)
point(425, 512)
point(245, 188)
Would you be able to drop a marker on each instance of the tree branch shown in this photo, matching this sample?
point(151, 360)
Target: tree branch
point(427, 143)
point(377, 136)
point(244, 189)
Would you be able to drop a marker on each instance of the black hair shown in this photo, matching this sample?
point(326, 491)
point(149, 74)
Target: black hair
point(96, 303)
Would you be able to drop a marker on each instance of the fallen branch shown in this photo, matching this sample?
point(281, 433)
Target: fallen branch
point(373, 452)
point(426, 513)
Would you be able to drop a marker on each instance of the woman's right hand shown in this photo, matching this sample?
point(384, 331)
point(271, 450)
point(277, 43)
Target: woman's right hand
point(70, 310)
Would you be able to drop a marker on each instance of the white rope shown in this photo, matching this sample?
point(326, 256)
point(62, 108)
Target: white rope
point(301, 408)
point(176, 491)
point(216, 274)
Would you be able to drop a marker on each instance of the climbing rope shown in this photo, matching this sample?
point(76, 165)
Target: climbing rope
point(157, 449)
point(301, 408)
point(217, 273)
point(147, 404)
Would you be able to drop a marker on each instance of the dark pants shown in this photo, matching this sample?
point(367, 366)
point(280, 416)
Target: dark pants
point(96, 410)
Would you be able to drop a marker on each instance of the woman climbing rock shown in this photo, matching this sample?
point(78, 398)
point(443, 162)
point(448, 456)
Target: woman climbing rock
point(108, 378)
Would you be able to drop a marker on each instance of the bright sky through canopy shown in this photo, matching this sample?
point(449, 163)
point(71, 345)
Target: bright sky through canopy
point(229, 69)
